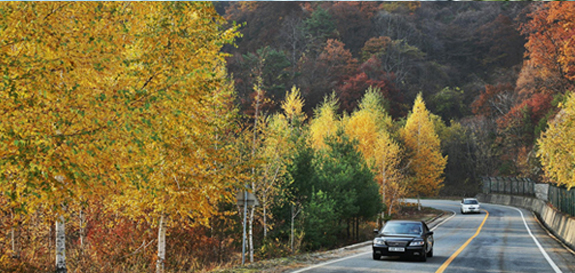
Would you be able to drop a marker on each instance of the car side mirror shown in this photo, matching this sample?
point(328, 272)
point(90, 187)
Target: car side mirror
point(375, 231)
point(430, 233)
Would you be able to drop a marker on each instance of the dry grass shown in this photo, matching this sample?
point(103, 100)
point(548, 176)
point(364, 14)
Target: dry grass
point(285, 264)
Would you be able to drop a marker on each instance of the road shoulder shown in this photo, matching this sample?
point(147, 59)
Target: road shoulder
point(291, 263)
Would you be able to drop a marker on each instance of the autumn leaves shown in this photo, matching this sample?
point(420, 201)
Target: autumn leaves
point(556, 146)
point(129, 104)
point(128, 108)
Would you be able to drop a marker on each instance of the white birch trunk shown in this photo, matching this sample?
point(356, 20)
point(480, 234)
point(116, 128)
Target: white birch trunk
point(254, 138)
point(161, 246)
point(14, 237)
point(13, 242)
point(292, 232)
point(418, 203)
point(250, 234)
point(82, 228)
point(60, 245)
point(14, 234)
point(391, 203)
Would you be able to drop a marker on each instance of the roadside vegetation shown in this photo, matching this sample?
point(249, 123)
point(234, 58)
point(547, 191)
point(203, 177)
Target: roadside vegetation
point(127, 129)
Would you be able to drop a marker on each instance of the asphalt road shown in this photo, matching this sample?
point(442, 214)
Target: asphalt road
point(506, 242)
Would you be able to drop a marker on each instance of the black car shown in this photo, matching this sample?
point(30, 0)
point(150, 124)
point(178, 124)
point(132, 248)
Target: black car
point(405, 239)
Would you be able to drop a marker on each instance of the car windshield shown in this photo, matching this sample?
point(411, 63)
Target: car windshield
point(470, 202)
point(402, 228)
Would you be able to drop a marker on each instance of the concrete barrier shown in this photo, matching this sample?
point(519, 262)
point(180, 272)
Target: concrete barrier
point(561, 225)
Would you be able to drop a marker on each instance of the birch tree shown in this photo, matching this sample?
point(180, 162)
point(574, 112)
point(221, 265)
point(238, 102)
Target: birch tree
point(179, 174)
point(282, 133)
point(60, 97)
point(118, 99)
point(557, 146)
point(370, 125)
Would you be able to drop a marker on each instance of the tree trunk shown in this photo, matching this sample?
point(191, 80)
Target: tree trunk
point(50, 240)
point(291, 230)
point(353, 221)
point(259, 97)
point(391, 203)
point(14, 236)
point(383, 180)
point(251, 234)
point(161, 246)
point(418, 203)
point(60, 245)
point(82, 228)
point(347, 229)
point(265, 216)
point(357, 229)
point(244, 224)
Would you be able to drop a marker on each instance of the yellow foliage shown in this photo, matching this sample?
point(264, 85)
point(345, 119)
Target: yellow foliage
point(325, 122)
point(557, 146)
point(126, 101)
point(369, 126)
point(293, 107)
point(424, 151)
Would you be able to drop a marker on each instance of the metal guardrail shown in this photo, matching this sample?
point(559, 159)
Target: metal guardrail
point(562, 199)
point(509, 185)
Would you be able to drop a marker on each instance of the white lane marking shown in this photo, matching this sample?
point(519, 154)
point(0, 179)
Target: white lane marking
point(330, 262)
point(445, 220)
point(364, 253)
point(549, 260)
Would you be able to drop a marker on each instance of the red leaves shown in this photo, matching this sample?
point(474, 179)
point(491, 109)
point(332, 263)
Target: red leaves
point(530, 110)
point(495, 101)
point(352, 90)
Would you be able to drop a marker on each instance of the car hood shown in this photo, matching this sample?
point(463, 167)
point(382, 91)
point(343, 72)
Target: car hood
point(398, 237)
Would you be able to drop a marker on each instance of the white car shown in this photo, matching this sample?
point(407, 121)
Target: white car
point(470, 205)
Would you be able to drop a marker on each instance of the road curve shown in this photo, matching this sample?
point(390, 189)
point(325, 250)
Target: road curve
point(510, 240)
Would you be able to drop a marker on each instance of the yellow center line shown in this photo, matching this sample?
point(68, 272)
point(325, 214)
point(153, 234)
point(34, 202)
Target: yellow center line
point(446, 263)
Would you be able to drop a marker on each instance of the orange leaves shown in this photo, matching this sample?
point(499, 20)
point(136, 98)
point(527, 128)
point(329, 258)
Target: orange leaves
point(375, 46)
point(550, 40)
point(337, 59)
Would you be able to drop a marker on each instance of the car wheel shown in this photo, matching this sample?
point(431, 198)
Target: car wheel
point(423, 257)
point(376, 256)
point(430, 253)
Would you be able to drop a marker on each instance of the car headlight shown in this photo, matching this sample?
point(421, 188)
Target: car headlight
point(417, 243)
point(379, 241)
